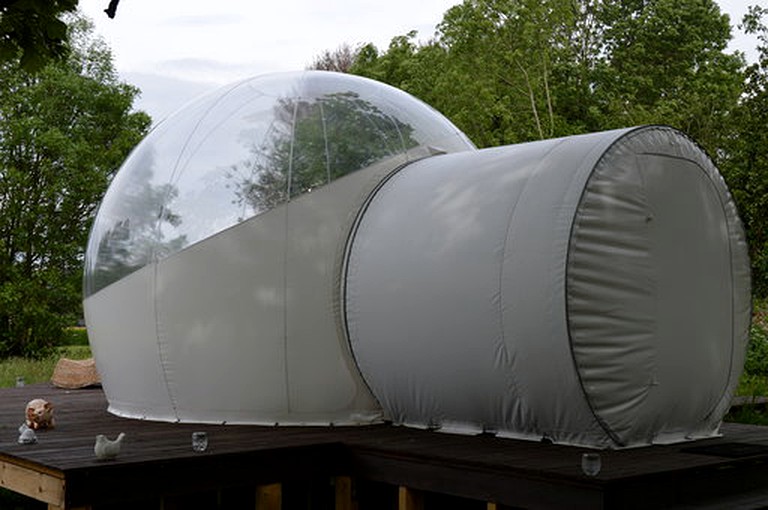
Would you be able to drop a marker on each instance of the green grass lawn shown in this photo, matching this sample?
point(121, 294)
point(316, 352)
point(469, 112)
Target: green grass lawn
point(754, 380)
point(36, 371)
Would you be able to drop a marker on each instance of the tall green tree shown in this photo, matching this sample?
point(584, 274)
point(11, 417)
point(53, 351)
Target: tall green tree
point(32, 30)
point(63, 133)
point(745, 154)
point(507, 71)
point(35, 32)
point(489, 68)
point(665, 61)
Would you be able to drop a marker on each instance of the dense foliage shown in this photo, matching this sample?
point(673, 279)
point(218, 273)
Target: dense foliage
point(509, 71)
point(33, 31)
point(64, 131)
point(746, 152)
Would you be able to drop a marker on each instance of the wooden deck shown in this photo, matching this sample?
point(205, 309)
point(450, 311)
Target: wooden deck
point(356, 467)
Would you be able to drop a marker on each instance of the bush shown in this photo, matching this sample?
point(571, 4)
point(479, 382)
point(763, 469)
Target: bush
point(74, 336)
point(33, 316)
point(756, 362)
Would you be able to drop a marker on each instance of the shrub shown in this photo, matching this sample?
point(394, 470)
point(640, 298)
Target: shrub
point(74, 336)
point(756, 362)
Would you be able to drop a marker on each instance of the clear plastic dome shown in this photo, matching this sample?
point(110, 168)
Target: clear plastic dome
point(246, 148)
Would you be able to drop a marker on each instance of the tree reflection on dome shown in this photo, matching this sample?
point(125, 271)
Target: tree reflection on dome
point(245, 149)
point(312, 143)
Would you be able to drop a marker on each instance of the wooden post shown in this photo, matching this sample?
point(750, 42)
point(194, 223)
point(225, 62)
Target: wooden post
point(409, 499)
point(343, 486)
point(37, 484)
point(269, 497)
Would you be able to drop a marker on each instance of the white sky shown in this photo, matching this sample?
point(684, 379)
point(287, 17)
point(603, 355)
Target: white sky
point(174, 50)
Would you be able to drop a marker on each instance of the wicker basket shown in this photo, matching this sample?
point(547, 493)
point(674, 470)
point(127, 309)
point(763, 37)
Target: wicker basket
point(73, 373)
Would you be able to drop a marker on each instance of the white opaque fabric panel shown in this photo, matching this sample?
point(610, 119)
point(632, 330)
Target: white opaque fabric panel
point(324, 382)
point(221, 324)
point(125, 314)
point(533, 286)
point(539, 291)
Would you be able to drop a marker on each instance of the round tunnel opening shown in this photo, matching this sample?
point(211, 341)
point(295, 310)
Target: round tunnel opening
point(650, 286)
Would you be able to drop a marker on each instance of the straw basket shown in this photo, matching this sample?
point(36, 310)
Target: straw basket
point(72, 374)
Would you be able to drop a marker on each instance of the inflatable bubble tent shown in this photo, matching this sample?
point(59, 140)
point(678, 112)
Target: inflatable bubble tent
point(314, 248)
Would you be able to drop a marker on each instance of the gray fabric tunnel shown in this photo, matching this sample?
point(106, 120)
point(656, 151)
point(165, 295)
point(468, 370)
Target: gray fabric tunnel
point(591, 290)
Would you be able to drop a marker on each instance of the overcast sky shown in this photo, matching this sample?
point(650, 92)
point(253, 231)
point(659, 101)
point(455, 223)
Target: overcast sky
point(174, 50)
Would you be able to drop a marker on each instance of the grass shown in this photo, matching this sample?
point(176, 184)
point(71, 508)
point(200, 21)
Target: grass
point(36, 371)
point(752, 385)
point(753, 415)
point(754, 379)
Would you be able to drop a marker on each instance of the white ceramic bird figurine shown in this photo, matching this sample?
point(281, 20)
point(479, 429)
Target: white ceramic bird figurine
point(27, 435)
point(106, 448)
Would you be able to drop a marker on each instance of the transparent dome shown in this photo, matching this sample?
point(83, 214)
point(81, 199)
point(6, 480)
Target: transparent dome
point(246, 148)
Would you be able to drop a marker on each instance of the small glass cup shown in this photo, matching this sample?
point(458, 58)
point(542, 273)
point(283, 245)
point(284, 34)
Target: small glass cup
point(199, 441)
point(20, 382)
point(591, 464)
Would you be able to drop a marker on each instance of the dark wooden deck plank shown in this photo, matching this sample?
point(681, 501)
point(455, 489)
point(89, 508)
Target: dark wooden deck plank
point(513, 472)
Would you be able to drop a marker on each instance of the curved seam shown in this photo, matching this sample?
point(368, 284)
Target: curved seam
point(510, 216)
point(710, 171)
point(171, 179)
point(622, 137)
point(175, 175)
point(393, 120)
point(724, 198)
point(347, 254)
point(285, 262)
point(161, 355)
point(325, 140)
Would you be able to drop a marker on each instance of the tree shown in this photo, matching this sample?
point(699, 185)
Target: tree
point(137, 236)
point(508, 71)
point(312, 143)
point(490, 68)
point(33, 31)
point(339, 60)
point(665, 62)
point(746, 153)
point(63, 133)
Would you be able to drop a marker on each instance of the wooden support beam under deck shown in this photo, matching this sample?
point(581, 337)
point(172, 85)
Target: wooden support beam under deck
point(269, 497)
point(409, 499)
point(39, 485)
point(344, 501)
